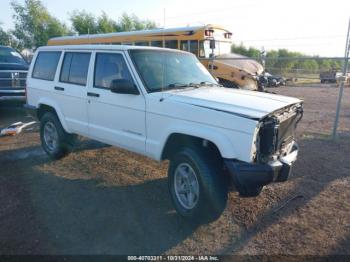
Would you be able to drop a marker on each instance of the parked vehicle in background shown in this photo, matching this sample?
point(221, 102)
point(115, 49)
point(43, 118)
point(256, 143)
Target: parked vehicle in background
point(27, 54)
point(164, 104)
point(330, 76)
point(206, 42)
point(13, 73)
point(275, 81)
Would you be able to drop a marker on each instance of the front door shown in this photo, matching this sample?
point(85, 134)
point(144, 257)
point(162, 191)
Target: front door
point(114, 118)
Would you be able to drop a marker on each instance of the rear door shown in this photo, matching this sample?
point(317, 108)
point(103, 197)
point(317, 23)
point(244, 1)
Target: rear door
point(71, 89)
point(116, 119)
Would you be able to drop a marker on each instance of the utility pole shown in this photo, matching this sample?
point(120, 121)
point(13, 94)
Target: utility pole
point(342, 80)
point(263, 56)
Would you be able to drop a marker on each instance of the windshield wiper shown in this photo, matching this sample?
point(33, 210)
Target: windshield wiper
point(209, 83)
point(182, 86)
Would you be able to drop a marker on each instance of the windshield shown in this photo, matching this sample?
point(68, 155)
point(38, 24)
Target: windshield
point(165, 70)
point(9, 55)
point(221, 48)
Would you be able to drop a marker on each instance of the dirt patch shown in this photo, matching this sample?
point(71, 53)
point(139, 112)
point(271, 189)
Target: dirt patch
point(103, 200)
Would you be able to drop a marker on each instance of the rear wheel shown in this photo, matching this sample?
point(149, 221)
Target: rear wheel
point(196, 186)
point(55, 141)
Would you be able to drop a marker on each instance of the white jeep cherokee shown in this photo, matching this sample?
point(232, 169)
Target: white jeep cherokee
point(164, 104)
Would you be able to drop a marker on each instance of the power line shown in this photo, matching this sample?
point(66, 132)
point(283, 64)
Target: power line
point(293, 38)
point(281, 58)
point(300, 44)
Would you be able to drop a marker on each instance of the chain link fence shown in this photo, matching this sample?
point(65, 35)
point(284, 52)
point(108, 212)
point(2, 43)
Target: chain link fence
point(237, 72)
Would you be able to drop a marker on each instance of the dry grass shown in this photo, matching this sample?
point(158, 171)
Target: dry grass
point(103, 200)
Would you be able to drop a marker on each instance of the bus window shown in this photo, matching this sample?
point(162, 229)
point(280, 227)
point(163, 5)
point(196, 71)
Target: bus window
point(128, 43)
point(184, 45)
point(116, 43)
point(141, 43)
point(221, 48)
point(171, 44)
point(201, 49)
point(194, 47)
point(157, 43)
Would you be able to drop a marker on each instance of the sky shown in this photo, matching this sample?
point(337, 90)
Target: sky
point(311, 27)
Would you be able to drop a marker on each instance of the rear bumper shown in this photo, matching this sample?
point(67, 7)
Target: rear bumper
point(248, 178)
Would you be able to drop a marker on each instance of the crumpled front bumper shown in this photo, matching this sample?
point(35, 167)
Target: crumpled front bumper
point(249, 178)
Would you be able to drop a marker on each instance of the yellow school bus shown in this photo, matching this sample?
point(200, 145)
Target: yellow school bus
point(210, 43)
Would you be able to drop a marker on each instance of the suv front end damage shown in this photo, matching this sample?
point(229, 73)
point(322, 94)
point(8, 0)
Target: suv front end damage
point(276, 151)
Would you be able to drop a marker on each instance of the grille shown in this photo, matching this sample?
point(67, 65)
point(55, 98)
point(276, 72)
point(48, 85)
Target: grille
point(274, 136)
point(286, 131)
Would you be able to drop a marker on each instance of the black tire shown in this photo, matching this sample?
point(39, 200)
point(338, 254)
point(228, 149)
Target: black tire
point(65, 141)
point(212, 187)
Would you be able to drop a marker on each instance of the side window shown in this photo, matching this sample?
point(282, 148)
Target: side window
point(194, 47)
point(201, 49)
point(141, 43)
point(75, 68)
point(157, 43)
point(184, 45)
point(171, 44)
point(46, 65)
point(109, 67)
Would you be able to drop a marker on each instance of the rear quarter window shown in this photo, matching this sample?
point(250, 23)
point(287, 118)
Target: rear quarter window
point(46, 65)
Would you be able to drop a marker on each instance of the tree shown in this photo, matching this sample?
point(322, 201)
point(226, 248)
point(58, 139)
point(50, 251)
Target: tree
point(242, 50)
point(34, 25)
point(239, 49)
point(87, 23)
point(106, 24)
point(271, 60)
point(132, 23)
point(5, 37)
point(83, 22)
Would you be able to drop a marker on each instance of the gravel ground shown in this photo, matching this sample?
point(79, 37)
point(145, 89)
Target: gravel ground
point(103, 200)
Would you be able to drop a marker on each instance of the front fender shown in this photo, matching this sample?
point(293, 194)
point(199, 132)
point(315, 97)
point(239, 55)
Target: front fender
point(220, 139)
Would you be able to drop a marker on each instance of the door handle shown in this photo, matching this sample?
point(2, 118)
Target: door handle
point(59, 88)
point(93, 94)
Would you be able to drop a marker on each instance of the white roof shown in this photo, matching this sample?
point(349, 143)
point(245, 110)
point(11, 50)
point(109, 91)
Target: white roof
point(90, 47)
point(141, 32)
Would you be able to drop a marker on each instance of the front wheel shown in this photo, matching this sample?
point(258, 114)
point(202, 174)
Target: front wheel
point(196, 186)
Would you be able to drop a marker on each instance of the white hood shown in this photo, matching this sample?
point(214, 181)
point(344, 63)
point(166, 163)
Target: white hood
point(245, 103)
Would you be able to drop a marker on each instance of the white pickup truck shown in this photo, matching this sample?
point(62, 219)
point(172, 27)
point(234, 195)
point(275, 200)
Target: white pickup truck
point(164, 104)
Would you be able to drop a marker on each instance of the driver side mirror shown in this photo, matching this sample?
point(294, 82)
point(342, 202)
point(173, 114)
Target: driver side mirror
point(124, 86)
